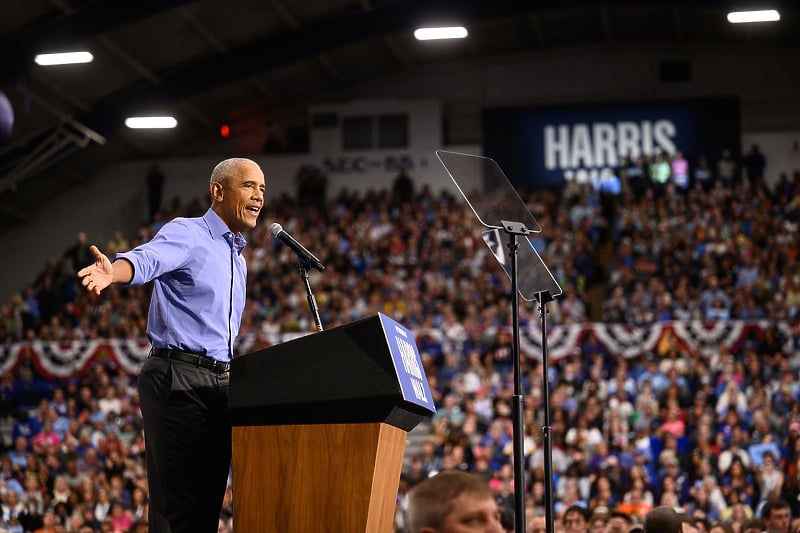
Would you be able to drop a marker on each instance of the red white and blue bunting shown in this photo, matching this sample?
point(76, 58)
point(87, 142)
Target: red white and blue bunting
point(63, 359)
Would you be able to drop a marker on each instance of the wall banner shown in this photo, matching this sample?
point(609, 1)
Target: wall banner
point(547, 146)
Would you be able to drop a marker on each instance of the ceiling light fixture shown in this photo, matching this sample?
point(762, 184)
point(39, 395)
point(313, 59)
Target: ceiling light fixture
point(139, 123)
point(763, 15)
point(63, 58)
point(447, 32)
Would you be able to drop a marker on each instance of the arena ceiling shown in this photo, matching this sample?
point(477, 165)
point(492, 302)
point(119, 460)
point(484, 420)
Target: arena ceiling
point(249, 62)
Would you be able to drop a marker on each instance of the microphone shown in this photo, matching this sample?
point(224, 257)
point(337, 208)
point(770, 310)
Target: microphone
point(276, 230)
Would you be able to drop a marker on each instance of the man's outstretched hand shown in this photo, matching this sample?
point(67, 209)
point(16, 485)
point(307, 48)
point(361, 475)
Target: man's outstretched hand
point(98, 275)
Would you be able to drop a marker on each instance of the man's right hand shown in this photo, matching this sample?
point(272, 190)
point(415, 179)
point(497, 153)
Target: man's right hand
point(98, 275)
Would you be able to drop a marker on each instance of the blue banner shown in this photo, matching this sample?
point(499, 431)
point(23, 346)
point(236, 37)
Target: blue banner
point(407, 363)
point(546, 146)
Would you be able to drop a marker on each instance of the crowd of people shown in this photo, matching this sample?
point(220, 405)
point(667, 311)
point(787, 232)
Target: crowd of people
point(716, 436)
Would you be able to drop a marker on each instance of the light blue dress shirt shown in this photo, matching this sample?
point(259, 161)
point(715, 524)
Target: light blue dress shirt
point(199, 286)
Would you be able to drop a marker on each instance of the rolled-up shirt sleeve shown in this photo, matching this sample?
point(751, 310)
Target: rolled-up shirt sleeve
point(167, 251)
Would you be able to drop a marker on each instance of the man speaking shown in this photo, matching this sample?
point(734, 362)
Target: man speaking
point(199, 278)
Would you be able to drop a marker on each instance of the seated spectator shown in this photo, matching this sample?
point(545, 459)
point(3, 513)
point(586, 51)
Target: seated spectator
point(46, 440)
point(118, 243)
point(19, 454)
point(701, 506)
point(752, 525)
point(451, 501)
point(634, 506)
point(770, 479)
point(663, 519)
point(120, 518)
point(575, 519)
point(775, 516)
point(619, 522)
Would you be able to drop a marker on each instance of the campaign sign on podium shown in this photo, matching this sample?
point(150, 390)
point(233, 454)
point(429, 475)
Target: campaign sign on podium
point(407, 363)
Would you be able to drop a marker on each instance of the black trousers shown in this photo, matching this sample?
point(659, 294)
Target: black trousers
point(188, 444)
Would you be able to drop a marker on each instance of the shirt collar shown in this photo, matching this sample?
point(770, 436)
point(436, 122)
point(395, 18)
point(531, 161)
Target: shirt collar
point(218, 228)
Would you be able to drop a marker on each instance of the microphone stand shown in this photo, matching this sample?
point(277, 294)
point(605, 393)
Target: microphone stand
point(312, 302)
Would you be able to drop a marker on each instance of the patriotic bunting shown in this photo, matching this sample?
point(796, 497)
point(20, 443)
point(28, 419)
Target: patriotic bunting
point(62, 359)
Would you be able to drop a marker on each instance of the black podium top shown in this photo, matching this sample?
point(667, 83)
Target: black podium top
point(365, 371)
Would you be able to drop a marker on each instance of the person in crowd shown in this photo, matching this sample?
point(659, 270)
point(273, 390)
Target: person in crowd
point(576, 519)
point(680, 171)
point(537, 523)
point(118, 243)
point(703, 175)
point(78, 255)
point(727, 169)
point(775, 516)
point(662, 519)
point(453, 502)
point(619, 522)
point(751, 525)
point(755, 163)
point(198, 297)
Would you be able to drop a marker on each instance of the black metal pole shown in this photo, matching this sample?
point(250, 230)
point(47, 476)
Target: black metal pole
point(517, 405)
point(312, 302)
point(547, 441)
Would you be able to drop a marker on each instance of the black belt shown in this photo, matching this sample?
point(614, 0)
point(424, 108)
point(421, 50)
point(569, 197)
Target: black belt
point(202, 361)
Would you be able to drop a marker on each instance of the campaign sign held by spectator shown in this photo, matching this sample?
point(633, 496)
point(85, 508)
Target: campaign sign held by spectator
point(548, 146)
point(407, 363)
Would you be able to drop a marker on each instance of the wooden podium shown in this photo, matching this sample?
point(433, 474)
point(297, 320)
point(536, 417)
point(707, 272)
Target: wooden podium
point(319, 429)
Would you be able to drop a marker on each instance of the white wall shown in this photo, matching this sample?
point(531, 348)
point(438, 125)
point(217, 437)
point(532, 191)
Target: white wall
point(424, 128)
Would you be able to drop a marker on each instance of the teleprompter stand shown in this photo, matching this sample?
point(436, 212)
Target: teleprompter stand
point(497, 206)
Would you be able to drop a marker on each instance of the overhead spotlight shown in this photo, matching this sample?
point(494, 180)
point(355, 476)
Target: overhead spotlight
point(446, 32)
point(63, 58)
point(763, 15)
point(138, 123)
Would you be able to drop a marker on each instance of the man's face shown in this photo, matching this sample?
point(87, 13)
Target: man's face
point(575, 523)
point(537, 524)
point(598, 525)
point(471, 514)
point(688, 528)
point(240, 197)
point(616, 524)
point(778, 520)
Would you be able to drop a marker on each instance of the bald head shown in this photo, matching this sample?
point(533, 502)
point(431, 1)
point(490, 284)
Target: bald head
point(230, 168)
point(662, 519)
